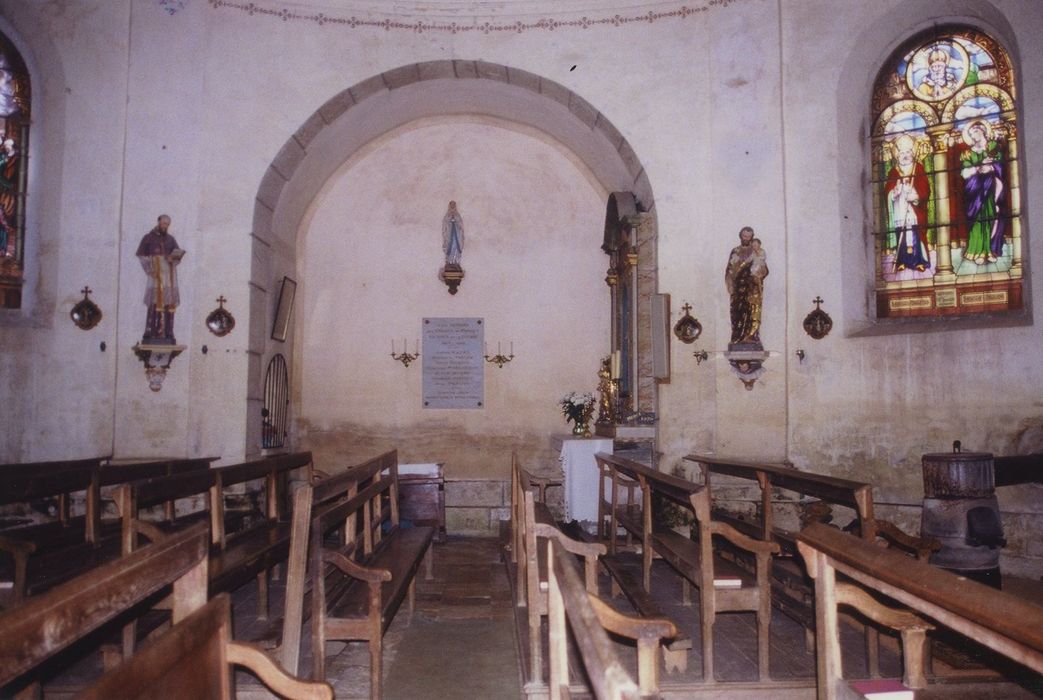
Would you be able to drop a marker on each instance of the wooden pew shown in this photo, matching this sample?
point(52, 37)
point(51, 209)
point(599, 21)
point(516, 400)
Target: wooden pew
point(1009, 625)
point(571, 605)
point(793, 593)
point(694, 560)
point(45, 554)
point(856, 495)
point(238, 553)
point(46, 624)
point(193, 659)
point(532, 522)
point(359, 582)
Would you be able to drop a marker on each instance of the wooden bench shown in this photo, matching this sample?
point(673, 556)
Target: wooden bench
point(649, 629)
point(244, 545)
point(693, 560)
point(793, 593)
point(532, 522)
point(359, 581)
point(42, 555)
point(571, 605)
point(1009, 625)
point(193, 659)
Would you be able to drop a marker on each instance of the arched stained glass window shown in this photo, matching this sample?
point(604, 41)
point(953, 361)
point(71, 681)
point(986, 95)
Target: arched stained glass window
point(14, 144)
point(945, 178)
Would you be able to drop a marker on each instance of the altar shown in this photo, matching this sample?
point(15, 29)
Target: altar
point(581, 474)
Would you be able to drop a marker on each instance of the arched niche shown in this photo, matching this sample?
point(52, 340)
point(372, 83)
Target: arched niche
point(357, 116)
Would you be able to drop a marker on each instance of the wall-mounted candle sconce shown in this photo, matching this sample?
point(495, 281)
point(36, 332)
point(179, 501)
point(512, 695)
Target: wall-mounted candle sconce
point(404, 357)
point(800, 355)
point(700, 355)
point(220, 321)
point(499, 359)
point(85, 314)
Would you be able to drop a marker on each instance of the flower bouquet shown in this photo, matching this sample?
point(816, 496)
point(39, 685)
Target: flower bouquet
point(578, 409)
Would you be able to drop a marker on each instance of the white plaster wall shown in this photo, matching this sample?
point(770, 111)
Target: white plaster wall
point(751, 113)
point(369, 255)
point(57, 384)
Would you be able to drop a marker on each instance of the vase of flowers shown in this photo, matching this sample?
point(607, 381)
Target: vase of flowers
point(578, 409)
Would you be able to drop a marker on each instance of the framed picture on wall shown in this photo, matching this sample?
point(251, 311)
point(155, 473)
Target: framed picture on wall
point(284, 309)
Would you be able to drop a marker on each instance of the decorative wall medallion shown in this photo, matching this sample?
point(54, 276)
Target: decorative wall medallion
point(85, 314)
point(818, 324)
point(220, 321)
point(688, 329)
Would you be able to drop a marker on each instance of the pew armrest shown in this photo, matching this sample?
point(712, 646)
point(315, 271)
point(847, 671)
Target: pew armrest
point(744, 541)
point(584, 549)
point(632, 626)
point(351, 568)
point(16, 547)
point(256, 660)
point(922, 547)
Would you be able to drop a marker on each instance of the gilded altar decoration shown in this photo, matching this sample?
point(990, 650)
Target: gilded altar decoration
point(85, 314)
point(818, 324)
point(220, 321)
point(452, 273)
point(578, 410)
point(607, 391)
point(945, 173)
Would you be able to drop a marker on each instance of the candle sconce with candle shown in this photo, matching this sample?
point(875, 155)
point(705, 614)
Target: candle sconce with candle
point(404, 357)
point(499, 359)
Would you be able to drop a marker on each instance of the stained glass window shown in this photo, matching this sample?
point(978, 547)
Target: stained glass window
point(945, 179)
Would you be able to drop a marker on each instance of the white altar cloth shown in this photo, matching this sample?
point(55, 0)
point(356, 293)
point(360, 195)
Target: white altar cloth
point(581, 476)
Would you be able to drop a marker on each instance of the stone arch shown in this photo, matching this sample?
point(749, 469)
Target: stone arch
point(369, 109)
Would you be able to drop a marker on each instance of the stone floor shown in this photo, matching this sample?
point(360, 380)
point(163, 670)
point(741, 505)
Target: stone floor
point(459, 642)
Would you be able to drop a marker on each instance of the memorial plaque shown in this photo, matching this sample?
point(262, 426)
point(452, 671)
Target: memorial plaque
point(453, 366)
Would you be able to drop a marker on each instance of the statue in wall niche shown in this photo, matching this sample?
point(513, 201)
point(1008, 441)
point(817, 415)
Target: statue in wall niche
point(160, 255)
point(744, 279)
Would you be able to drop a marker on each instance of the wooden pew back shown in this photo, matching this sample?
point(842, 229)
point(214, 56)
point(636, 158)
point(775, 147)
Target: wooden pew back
point(1009, 625)
point(569, 605)
point(853, 494)
point(694, 560)
point(50, 622)
point(194, 659)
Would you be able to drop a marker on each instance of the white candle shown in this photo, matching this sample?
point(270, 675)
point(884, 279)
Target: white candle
point(616, 364)
point(392, 346)
point(416, 346)
point(512, 348)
